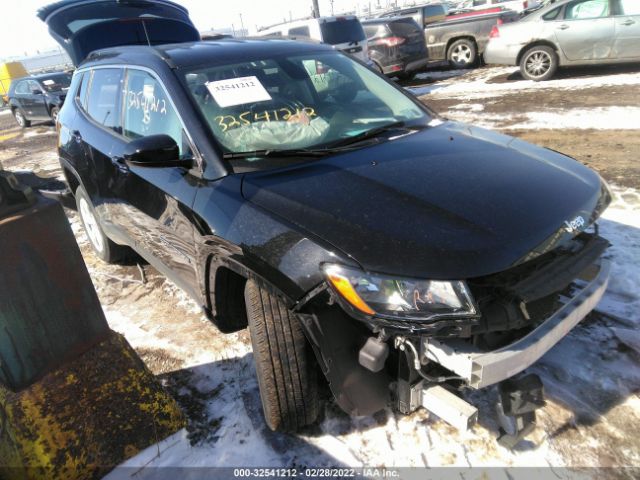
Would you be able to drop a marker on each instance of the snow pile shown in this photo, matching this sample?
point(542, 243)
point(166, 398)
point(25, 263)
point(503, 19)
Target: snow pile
point(482, 83)
point(601, 118)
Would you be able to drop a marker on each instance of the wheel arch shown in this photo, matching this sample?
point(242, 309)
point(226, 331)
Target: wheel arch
point(452, 40)
point(537, 43)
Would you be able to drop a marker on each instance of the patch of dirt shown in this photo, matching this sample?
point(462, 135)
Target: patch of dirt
point(612, 153)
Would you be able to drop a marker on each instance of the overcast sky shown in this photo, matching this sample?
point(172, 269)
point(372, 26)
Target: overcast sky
point(23, 33)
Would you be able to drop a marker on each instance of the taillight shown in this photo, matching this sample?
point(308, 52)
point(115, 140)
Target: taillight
point(500, 21)
point(390, 41)
point(495, 33)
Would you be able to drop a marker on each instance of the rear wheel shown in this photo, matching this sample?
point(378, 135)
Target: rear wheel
point(103, 247)
point(285, 366)
point(539, 63)
point(21, 119)
point(462, 54)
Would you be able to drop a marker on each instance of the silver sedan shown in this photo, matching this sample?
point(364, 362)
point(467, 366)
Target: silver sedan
point(568, 32)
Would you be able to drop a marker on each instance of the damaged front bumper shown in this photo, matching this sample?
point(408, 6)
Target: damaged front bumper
point(481, 369)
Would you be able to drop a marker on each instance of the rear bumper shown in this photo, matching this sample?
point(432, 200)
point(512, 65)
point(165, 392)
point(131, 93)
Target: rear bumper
point(481, 369)
point(406, 66)
point(501, 53)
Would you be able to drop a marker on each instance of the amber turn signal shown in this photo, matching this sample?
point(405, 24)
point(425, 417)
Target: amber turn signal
point(344, 288)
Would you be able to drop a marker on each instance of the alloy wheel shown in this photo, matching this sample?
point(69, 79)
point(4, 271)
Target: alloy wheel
point(538, 63)
point(461, 54)
point(20, 118)
point(91, 225)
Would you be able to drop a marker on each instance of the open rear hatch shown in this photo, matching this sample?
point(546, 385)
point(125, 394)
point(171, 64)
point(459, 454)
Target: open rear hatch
point(82, 26)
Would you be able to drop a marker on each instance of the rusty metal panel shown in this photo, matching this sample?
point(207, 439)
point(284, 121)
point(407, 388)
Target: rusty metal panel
point(85, 418)
point(49, 311)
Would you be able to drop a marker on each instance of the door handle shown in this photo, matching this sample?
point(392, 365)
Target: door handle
point(628, 22)
point(563, 27)
point(119, 163)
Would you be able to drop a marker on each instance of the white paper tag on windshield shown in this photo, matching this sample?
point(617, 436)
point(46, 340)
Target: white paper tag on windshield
point(237, 91)
point(48, 82)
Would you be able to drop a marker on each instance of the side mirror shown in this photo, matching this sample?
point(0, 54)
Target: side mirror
point(154, 151)
point(35, 91)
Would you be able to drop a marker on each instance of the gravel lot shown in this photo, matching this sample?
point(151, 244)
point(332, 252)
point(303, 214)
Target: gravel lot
point(592, 378)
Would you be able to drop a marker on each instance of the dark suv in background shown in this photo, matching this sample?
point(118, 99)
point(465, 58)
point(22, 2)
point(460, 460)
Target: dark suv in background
point(396, 45)
point(38, 98)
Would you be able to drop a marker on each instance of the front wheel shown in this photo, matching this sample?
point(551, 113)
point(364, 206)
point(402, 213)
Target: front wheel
point(462, 54)
point(54, 114)
point(539, 63)
point(285, 365)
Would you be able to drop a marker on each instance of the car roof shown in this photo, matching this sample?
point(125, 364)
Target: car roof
point(381, 20)
point(198, 53)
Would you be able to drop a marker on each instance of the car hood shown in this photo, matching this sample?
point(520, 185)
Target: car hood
point(448, 202)
point(81, 26)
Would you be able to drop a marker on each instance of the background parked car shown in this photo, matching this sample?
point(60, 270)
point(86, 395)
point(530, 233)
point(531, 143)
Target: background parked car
point(517, 5)
point(38, 97)
point(396, 45)
point(568, 32)
point(344, 33)
point(460, 40)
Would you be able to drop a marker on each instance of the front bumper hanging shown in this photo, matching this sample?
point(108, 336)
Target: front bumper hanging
point(481, 369)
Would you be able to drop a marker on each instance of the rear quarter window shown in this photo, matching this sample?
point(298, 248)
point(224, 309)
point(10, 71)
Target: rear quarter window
point(405, 28)
point(552, 15)
point(103, 102)
point(342, 31)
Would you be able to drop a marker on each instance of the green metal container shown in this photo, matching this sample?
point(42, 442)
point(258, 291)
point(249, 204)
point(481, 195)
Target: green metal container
point(49, 311)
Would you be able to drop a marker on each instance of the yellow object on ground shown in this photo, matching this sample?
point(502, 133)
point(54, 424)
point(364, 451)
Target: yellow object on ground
point(8, 136)
point(84, 419)
point(9, 72)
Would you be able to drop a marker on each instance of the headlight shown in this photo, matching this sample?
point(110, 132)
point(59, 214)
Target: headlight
point(398, 298)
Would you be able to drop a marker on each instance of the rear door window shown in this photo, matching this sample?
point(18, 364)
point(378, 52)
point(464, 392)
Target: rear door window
point(585, 9)
point(148, 111)
point(342, 31)
point(103, 104)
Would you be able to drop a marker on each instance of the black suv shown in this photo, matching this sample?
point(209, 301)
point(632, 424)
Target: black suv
point(38, 98)
point(396, 46)
point(287, 187)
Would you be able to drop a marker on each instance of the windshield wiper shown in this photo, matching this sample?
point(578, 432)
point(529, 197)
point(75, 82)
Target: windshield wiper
point(344, 145)
point(375, 132)
point(301, 152)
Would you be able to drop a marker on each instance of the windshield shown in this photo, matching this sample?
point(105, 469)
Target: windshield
point(342, 31)
point(295, 102)
point(56, 83)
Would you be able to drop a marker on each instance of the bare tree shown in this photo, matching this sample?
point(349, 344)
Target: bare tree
point(316, 9)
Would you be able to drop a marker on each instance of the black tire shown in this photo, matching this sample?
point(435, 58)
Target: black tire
point(285, 365)
point(462, 54)
point(54, 114)
point(539, 63)
point(21, 120)
point(103, 247)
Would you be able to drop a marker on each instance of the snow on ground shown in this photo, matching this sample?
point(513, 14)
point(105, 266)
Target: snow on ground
point(5, 111)
point(598, 118)
point(481, 83)
point(591, 416)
